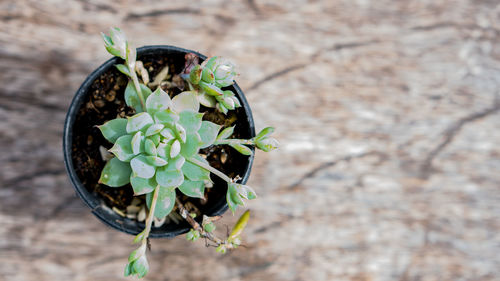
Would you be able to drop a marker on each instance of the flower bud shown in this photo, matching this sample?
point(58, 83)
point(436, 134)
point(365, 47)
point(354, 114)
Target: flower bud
point(267, 144)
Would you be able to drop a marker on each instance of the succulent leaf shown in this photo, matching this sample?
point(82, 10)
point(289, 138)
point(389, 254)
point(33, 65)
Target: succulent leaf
point(194, 172)
point(208, 132)
point(142, 185)
point(139, 122)
point(122, 148)
point(236, 192)
point(175, 149)
point(185, 101)
point(207, 75)
point(166, 117)
point(114, 129)
point(165, 202)
point(243, 149)
point(141, 167)
point(137, 143)
point(155, 138)
point(167, 134)
point(131, 97)
point(158, 101)
point(264, 132)
point(266, 144)
point(154, 129)
point(169, 178)
point(239, 226)
point(123, 69)
point(191, 146)
point(206, 99)
point(226, 133)
point(115, 173)
point(190, 121)
point(211, 89)
point(210, 62)
point(141, 266)
point(195, 75)
point(156, 161)
point(150, 147)
point(193, 188)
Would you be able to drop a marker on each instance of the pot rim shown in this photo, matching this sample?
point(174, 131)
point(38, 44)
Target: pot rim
point(99, 209)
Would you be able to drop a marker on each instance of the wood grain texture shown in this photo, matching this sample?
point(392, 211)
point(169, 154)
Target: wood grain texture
point(387, 111)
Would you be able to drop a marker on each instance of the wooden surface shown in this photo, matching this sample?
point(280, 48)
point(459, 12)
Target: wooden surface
point(387, 111)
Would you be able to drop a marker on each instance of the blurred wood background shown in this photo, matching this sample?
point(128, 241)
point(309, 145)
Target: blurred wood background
point(387, 112)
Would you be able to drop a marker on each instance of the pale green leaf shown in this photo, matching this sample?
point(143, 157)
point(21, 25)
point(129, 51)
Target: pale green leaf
point(115, 173)
point(136, 143)
point(190, 121)
point(193, 188)
point(195, 75)
point(141, 266)
point(207, 75)
point(114, 129)
point(141, 167)
point(156, 161)
point(158, 101)
point(138, 122)
point(149, 147)
point(239, 226)
point(211, 89)
point(142, 185)
point(166, 117)
point(131, 97)
point(191, 146)
point(175, 149)
point(208, 132)
point(243, 149)
point(194, 172)
point(122, 148)
point(168, 134)
point(155, 139)
point(206, 99)
point(169, 178)
point(180, 132)
point(123, 69)
point(226, 133)
point(264, 132)
point(185, 101)
point(154, 129)
point(165, 202)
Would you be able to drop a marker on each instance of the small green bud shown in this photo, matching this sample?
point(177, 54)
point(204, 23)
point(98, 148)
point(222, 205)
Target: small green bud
point(207, 75)
point(193, 235)
point(196, 75)
point(267, 144)
point(221, 249)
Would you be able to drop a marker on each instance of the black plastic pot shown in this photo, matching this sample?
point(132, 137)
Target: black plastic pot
point(95, 203)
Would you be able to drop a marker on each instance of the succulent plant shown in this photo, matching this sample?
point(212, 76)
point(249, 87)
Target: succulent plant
point(209, 78)
point(157, 149)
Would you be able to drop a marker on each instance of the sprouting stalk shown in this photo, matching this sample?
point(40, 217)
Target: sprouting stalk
point(235, 141)
point(135, 80)
point(210, 169)
point(149, 220)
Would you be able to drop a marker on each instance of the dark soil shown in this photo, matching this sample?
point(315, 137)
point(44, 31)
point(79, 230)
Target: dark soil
point(105, 101)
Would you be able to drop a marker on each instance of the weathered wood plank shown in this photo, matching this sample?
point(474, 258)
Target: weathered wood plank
point(387, 112)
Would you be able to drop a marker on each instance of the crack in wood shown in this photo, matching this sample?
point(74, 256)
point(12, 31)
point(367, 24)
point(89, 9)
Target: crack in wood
point(313, 58)
point(156, 13)
point(450, 133)
point(326, 165)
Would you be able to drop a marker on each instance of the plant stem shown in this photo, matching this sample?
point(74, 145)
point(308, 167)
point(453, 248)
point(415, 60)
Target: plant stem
point(196, 226)
point(210, 169)
point(135, 80)
point(149, 220)
point(234, 141)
